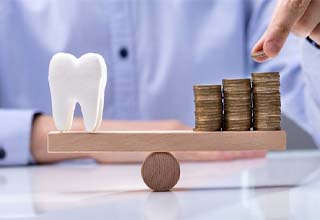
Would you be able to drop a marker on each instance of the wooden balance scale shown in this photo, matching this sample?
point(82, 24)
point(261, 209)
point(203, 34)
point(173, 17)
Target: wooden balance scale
point(160, 170)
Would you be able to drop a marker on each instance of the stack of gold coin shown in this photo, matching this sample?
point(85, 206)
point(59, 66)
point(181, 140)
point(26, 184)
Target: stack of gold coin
point(208, 107)
point(266, 101)
point(237, 104)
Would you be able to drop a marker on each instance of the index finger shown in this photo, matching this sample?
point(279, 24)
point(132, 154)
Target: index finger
point(286, 14)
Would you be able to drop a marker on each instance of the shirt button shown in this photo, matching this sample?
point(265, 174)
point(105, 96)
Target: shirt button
point(2, 153)
point(123, 52)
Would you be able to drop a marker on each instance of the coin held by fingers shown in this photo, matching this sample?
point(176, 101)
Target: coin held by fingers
point(259, 56)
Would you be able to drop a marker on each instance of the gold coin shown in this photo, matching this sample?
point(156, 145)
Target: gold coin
point(265, 75)
point(207, 87)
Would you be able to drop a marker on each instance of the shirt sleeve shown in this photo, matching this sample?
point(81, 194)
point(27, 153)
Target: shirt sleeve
point(298, 67)
point(15, 133)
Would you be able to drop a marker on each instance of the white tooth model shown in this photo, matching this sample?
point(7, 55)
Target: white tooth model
point(75, 81)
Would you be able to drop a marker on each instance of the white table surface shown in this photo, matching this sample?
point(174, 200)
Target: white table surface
point(285, 185)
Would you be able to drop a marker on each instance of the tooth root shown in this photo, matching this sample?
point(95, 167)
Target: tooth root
point(100, 113)
point(92, 96)
point(62, 112)
point(90, 110)
point(59, 78)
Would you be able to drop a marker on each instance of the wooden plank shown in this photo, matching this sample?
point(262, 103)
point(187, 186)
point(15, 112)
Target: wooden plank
point(154, 141)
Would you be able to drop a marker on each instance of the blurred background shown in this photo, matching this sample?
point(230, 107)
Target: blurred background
point(297, 138)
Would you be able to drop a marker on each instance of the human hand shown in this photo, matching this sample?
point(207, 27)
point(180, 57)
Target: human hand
point(301, 17)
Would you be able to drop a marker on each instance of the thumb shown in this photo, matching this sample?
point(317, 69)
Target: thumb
point(257, 52)
point(270, 44)
point(274, 40)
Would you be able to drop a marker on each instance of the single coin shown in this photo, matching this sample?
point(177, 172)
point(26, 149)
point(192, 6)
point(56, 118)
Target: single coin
point(207, 98)
point(208, 102)
point(206, 130)
point(266, 129)
point(259, 54)
point(236, 128)
point(207, 87)
point(236, 82)
point(267, 83)
point(265, 75)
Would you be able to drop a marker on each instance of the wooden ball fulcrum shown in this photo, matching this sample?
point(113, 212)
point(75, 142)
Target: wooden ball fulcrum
point(160, 171)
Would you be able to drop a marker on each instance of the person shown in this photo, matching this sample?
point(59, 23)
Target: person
point(155, 52)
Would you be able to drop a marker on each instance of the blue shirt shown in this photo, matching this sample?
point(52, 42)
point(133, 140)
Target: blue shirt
point(155, 51)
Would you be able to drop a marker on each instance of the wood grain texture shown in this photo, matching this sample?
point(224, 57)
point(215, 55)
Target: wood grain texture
point(160, 171)
point(162, 141)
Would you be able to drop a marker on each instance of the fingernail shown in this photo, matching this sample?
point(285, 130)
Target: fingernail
point(272, 47)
